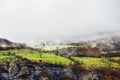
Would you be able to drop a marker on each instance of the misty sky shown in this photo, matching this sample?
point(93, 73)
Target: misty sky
point(26, 20)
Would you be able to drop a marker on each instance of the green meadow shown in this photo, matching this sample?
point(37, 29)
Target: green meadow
point(98, 62)
point(34, 56)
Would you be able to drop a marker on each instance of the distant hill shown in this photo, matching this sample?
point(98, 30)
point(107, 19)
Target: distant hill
point(7, 44)
point(107, 43)
point(110, 43)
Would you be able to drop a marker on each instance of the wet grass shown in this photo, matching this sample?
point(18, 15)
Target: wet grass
point(97, 62)
point(55, 59)
point(35, 56)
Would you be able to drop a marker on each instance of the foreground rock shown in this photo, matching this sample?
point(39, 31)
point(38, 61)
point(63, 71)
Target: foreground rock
point(35, 71)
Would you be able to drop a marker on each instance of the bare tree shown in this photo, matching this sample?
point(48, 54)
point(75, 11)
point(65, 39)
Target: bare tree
point(41, 49)
point(57, 51)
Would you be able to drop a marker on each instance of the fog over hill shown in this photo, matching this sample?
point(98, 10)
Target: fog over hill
point(98, 37)
point(108, 36)
point(6, 44)
point(57, 20)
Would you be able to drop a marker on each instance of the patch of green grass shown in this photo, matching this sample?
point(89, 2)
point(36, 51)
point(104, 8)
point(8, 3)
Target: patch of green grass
point(96, 62)
point(6, 59)
point(35, 56)
point(52, 58)
point(49, 58)
point(116, 58)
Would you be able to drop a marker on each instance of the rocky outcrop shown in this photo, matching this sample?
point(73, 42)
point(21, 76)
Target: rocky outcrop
point(6, 45)
point(37, 71)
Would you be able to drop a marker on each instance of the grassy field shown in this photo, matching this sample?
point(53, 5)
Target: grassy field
point(97, 62)
point(7, 59)
point(35, 56)
point(54, 59)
